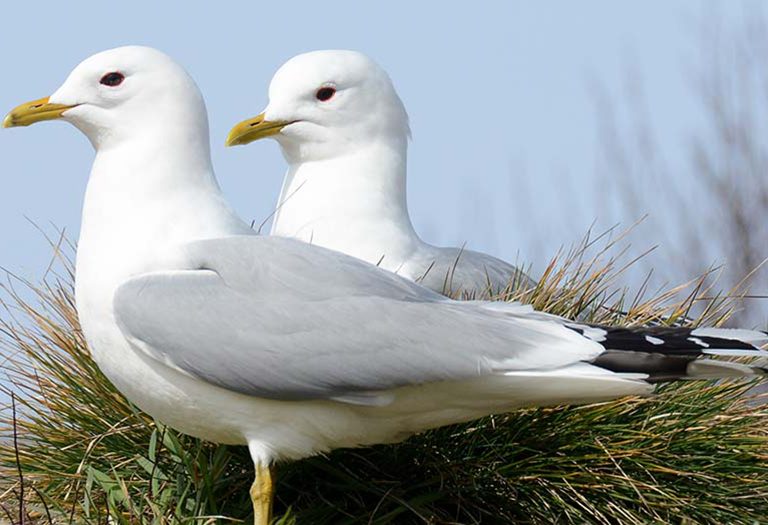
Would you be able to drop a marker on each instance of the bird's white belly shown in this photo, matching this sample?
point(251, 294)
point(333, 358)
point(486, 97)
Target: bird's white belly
point(188, 405)
point(284, 429)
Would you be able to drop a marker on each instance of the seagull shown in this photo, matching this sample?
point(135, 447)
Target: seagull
point(344, 132)
point(289, 348)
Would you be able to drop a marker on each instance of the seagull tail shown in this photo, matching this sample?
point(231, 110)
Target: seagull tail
point(669, 354)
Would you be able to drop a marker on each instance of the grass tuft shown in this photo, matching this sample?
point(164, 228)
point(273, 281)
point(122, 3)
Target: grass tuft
point(694, 453)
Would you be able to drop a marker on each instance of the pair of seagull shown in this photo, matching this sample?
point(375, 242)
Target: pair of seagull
point(288, 347)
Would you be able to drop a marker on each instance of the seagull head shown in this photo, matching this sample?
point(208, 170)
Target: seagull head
point(323, 103)
point(123, 93)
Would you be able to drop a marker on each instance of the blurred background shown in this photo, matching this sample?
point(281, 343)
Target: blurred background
point(532, 122)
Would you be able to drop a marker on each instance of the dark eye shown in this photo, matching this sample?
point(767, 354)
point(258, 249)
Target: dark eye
point(112, 79)
point(324, 94)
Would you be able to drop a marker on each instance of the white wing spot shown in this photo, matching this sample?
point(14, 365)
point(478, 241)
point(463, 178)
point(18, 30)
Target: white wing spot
point(698, 342)
point(654, 340)
point(596, 334)
point(590, 332)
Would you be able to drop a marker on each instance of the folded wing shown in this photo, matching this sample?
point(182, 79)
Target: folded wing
point(280, 319)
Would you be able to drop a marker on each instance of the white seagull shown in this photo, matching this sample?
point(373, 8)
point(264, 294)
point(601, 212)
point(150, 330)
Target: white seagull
point(289, 348)
point(344, 132)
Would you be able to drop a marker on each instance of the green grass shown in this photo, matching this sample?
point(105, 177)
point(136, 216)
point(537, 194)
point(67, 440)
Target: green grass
point(695, 453)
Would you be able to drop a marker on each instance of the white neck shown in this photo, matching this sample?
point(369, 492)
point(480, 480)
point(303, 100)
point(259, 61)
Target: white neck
point(143, 198)
point(354, 203)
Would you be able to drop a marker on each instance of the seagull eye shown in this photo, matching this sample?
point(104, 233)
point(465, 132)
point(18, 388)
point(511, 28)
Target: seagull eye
point(325, 94)
point(112, 79)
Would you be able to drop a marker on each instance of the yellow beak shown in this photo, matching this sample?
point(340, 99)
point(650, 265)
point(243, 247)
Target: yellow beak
point(34, 111)
point(254, 129)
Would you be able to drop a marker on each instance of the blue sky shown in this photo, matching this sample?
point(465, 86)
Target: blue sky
point(500, 95)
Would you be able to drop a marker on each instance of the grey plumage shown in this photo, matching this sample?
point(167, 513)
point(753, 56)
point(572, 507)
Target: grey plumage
point(280, 319)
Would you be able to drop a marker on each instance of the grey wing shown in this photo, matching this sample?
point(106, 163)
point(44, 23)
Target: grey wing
point(281, 319)
point(454, 270)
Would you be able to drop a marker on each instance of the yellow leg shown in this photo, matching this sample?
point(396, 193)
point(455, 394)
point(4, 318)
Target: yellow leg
point(262, 494)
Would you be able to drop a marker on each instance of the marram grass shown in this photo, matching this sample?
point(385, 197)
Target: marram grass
point(696, 452)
